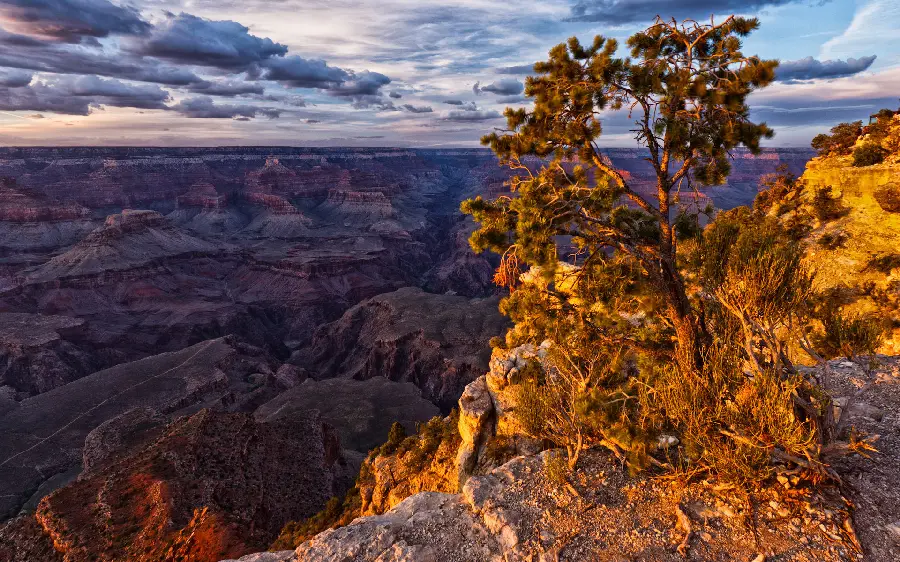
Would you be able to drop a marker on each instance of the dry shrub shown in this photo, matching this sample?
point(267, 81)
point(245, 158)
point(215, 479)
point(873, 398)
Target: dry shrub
point(826, 205)
point(888, 197)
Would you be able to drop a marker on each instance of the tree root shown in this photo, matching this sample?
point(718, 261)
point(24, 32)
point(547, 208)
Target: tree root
point(685, 523)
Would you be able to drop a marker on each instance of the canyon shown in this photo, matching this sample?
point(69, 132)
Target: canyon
point(160, 304)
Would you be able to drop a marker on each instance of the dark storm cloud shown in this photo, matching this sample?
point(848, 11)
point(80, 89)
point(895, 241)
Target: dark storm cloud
point(204, 108)
point(189, 39)
point(15, 78)
point(227, 88)
point(67, 59)
point(78, 95)
point(395, 95)
point(503, 87)
point(298, 72)
point(365, 83)
point(809, 68)
point(517, 69)
point(413, 109)
point(621, 12)
point(364, 90)
point(71, 21)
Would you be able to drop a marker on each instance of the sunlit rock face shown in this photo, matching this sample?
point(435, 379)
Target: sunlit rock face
point(856, 254)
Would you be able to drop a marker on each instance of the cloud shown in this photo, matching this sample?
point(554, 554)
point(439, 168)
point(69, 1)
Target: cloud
point(503, 87)
point(517, 69)
point(472, 115)
point(298, 72)
point(189, 39)
point(809, 68)
point(364, 89)
point(365, 83)
point(294, 100)
point(376, 102)
point(15, 78)
point(873, 21)
point(453, 102)
point(395, 95)
point(71, 21)
point(47, 57)
point(203, 107)
point(621, 12)
point(77, 95)
point(413, 109)
point(227, 88)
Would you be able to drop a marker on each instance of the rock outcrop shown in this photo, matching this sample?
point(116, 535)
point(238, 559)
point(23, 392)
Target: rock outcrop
point(361, 412)
point(44, 435)
point(40, 352)
point(856, 254)
point(126, 241)
point(438, 342)
point(213, 485)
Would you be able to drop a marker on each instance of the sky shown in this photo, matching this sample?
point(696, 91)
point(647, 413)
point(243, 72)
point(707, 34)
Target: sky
point(417, 73)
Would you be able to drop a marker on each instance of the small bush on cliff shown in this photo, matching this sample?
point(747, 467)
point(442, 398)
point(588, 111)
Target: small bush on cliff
point(826, 205)
point(841, 140)
point(888, 197)
point(868, 154)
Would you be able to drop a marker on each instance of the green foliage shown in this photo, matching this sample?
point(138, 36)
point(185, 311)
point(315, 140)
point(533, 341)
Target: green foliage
point(417, 451)
point(840, 142)
point(881, 128)
point(732, 424)
point(868, 154)
point(396, 436)
point(779, 192)
point(888, 197)
point(555, 467)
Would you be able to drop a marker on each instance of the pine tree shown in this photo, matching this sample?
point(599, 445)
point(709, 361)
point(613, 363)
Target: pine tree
point(686, 86)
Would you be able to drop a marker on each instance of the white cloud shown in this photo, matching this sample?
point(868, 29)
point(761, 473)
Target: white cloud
point(874, 29)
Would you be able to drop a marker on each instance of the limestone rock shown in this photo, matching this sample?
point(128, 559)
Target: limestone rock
point(425, 527)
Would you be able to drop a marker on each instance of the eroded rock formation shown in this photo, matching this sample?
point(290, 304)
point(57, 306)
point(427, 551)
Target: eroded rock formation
point(438, 342)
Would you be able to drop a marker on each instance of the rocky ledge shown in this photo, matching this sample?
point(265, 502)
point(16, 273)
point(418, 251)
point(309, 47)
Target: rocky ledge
point(522, 511)
point(530, 509)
